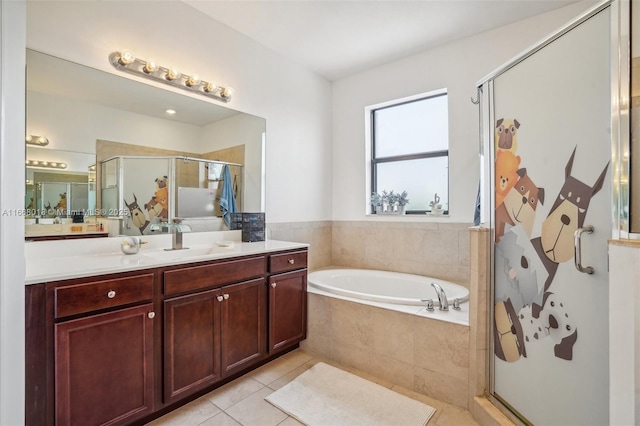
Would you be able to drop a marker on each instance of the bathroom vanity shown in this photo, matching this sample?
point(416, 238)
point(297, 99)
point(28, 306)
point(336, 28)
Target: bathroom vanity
point(159, 330)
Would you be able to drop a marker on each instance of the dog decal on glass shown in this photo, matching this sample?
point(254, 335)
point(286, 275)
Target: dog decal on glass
point(519, 206)
point(138, 218)
point(507, 134)
point(556, 242)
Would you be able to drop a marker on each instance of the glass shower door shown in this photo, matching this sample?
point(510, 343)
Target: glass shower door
point(550, 121)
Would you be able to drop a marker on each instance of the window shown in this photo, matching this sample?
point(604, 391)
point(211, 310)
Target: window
point(410, 150)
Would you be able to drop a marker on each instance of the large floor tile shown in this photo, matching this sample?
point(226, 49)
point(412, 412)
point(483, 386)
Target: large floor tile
point(191, 414)
point(255, 411)
point(234, 392)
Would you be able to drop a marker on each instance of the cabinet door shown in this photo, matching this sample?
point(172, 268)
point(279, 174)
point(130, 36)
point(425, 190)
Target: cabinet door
point(287, 309)
point(104, 368)
point(244, 325)
point(191, 343)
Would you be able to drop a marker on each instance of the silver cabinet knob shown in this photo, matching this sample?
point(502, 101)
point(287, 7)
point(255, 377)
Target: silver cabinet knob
point(220, 298)
point(291, 261)
point(274, 285)
point(225, 296)
point(151, 315)
point(111, 294)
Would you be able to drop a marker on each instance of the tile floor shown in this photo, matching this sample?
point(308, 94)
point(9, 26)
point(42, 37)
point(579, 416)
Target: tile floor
point(241, 402)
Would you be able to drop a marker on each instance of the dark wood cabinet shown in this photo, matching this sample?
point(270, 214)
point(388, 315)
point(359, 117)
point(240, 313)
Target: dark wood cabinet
point(212, 334)
point(191, 343)
point(104, 367)
point(287, 309)
point(287, 299)
point(124, 348)
point(243, 325)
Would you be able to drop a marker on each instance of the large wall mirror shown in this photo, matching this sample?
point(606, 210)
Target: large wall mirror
point(89, 115)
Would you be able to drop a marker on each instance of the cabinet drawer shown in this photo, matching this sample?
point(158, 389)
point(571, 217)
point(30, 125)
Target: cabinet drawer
point(198, 277)
point(287, 261)
point(95, 295)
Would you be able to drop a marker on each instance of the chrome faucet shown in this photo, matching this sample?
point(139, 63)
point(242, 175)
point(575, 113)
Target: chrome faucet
point(442, 297)
point(176, 234)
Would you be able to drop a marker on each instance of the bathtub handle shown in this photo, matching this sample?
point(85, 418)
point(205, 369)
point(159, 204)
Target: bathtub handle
point(429, 304)
point(456, 304)
point(577, 240)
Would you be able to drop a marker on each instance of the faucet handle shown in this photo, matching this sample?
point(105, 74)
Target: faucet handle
point(456, 304)
point(429, 304)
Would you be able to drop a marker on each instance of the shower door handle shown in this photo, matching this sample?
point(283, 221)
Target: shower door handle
point(577, 242)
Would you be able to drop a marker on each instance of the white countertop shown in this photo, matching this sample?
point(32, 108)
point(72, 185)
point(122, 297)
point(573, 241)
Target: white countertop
point(60, 260)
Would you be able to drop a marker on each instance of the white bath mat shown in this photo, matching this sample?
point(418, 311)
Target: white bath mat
point(327, 396)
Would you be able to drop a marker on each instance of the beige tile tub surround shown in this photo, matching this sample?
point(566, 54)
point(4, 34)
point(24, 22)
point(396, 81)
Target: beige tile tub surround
point(435, 249)
point(424, 355)
point(316, 234)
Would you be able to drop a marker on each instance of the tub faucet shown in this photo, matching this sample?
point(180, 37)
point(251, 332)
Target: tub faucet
point(442, 297)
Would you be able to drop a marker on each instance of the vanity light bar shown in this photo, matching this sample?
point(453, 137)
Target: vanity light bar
point(47, 164)
point(36, 140)
point(127, 62)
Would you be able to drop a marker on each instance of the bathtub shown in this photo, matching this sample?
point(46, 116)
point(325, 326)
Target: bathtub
point(385, 287)
point(377, 322)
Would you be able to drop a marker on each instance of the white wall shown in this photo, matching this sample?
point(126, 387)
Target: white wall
point(456, 67)
point(12, 263)
point(72, 125)
point(295, 102)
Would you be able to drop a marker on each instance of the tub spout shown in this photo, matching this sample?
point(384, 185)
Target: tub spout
point(442, 297)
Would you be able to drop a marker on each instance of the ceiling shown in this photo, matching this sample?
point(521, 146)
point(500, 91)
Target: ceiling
point(337, 38)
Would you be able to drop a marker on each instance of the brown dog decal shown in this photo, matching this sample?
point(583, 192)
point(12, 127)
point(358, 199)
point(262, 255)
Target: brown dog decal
point(506, 134)
point(556, 243)
point(519, 206)
point(138, 218)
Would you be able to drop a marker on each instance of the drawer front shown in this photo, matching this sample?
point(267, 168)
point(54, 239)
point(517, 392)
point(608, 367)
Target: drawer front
point(198, 277)
point(95, 295)
point(287, 261)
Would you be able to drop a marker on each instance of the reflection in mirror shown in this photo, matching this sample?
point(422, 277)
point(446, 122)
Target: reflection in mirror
point(102, 115)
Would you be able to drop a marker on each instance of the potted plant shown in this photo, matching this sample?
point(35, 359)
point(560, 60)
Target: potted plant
point(402, 201)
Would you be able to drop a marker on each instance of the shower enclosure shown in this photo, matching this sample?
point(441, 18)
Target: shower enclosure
point(546, 132)
point(143, 191)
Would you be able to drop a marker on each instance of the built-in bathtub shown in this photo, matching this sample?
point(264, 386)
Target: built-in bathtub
point(396, 291)
point(378, 322)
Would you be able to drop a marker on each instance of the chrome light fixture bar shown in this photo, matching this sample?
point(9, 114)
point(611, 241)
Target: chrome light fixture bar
point(127, 62)
point(46, 164)
point(36, 140)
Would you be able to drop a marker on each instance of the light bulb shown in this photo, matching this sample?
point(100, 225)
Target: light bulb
point(211, 87)
point(54, 164)
point(42, 140)
point(150, 66)
point(28, 138)
point(193, 80)
point(126, 57)
point(172, 74)
point(63, 166)
point(227, 92)
point(27, 162)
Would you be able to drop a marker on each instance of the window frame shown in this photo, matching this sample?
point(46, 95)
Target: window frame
point(373, 161)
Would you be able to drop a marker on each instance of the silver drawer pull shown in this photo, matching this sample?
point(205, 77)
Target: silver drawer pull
point(220, 298)
point(291, 261)
point(151, 315)
point(274, 285)
point(111, 294)
point(225, 296)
